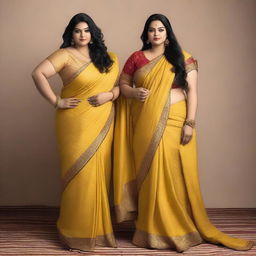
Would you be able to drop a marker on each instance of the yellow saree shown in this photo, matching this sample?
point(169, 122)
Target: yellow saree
point(155, 177)
point(84, 136)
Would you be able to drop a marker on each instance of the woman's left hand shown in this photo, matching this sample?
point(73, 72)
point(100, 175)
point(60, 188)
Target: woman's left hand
point(100, 98)
point(186, 135)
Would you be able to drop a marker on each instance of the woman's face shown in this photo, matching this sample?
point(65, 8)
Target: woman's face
point(156, 33)
point(81, 34)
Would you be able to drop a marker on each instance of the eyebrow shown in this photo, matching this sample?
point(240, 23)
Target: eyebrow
point(156, 28)
point(81, 28)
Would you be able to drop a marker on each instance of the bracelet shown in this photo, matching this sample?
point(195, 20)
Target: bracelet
point(57, 102)
point(190, 122)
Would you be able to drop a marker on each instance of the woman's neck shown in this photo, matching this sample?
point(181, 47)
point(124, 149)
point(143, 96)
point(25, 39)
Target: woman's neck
point(84, 50)
point(157, 49)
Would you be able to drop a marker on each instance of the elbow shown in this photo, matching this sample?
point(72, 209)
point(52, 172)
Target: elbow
point(122, 89)
point(126, 90)
point(37, 72)
point(34, 73)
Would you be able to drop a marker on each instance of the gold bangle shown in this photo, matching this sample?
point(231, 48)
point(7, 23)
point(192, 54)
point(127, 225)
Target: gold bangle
point(57, 102)
point(190, 122)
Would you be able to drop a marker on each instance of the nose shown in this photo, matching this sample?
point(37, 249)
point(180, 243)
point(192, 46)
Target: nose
point(155, 32)
point(82, 33)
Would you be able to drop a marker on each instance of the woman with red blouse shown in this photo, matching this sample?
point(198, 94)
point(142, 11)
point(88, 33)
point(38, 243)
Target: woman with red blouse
point(155, 156)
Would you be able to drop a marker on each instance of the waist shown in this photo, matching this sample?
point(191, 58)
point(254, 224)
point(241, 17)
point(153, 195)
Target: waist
point(177, 95)
point(177, 114)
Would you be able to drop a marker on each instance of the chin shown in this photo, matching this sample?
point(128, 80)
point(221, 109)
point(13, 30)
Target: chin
point(157, 43)
point(82, 44)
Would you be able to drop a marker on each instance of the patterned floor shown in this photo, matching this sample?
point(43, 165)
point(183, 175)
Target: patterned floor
point(31, 231)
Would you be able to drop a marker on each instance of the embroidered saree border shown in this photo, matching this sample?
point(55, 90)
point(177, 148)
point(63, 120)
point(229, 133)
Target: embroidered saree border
point(146, 68)
point(145, 165)
point(180, 243)
point(248, 247)
point(191, 65)
point(88, 244)
point(127, 209)
point(77, 73)
point(90, 151)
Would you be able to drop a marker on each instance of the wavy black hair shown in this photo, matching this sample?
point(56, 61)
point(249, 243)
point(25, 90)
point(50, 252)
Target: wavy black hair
point(173, 52)
point(97, 50)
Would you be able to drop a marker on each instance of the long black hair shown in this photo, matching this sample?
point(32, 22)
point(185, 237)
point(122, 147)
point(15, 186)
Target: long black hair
point(97, 50)
point(173, 52)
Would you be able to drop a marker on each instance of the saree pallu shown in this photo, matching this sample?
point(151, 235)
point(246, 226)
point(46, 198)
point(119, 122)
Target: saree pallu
point(84, 136)
point(155, 177)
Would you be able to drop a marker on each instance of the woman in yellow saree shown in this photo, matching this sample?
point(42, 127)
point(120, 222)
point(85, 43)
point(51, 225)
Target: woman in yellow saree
point(84, 124)
point(155, 164)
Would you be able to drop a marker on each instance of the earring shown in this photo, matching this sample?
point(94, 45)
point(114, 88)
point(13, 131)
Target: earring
point(72, 42)
point(147, 42)
point(166, 42)
point(91, 42)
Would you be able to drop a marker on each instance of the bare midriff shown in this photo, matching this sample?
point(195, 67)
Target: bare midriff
point(177, 94)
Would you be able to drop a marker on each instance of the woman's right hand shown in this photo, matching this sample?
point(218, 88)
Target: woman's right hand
point(67, 103)
point(140, 93)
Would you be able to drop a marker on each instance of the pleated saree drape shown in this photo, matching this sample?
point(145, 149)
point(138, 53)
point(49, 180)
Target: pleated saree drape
point(84, 136)
point(155, 177)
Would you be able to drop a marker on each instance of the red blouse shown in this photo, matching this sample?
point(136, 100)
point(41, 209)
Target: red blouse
point(138, 60)
point(134, 62)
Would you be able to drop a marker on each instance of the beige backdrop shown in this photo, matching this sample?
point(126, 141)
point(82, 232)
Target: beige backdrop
point(220, 34)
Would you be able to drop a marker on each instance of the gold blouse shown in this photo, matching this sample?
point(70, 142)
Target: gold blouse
point(66, 64)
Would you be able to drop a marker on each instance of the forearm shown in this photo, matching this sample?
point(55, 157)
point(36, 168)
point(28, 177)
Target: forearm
point(115, 93)
point(127, 90)
point(192, 95)
point(191, 104)
point(44, 87)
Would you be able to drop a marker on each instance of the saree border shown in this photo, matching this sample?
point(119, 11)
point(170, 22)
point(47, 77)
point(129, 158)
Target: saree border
point(250, 244)
point(87, 244)
point(127, 209)
point(191, 64)
point(146, 68)
point(180, 243)
point(77, 73)
point(146, 162)
point(88, 153)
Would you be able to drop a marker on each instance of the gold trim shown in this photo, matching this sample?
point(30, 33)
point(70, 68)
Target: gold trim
point(191, 66)
point(127, 209)
point(73, 76)
point(90, 151)
point(153, 58)
point(146, 68)
point(180, 243)
point(246, 248)
point(88, 244)
point(145, 165)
